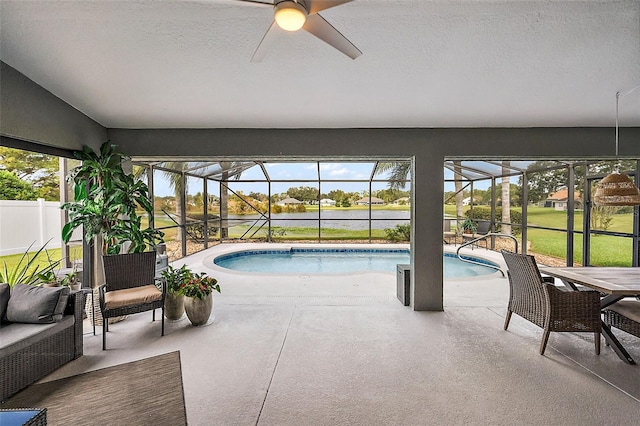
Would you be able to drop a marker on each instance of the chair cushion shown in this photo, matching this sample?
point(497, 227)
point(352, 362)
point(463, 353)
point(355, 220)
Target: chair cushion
point(5, 291)
point(36, 305)
point(132, 296)
point(627, 308)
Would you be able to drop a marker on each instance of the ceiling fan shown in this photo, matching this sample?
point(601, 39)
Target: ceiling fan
point(293, 15)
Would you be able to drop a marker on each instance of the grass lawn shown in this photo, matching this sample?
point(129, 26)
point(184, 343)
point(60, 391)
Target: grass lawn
point(55, 254)
point(300, 233)
point(605, 250)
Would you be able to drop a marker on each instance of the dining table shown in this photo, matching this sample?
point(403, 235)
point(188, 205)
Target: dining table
point(614, 283)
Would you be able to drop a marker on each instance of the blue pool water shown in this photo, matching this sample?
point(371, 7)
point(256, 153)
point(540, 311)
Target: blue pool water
point(337, 261)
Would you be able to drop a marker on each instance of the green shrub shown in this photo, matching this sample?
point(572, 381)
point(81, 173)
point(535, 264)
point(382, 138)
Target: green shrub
point(399, 233)
point(484, 213)
point(196, 229)
point(289, 208)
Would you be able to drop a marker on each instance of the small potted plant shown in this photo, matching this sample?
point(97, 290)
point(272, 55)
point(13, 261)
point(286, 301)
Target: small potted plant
point(48, 279)
point(174, 301)
point(71, 280)
point(469, 226)
point(198, 302)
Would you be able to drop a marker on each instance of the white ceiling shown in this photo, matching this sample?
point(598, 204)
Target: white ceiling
point(474, 63)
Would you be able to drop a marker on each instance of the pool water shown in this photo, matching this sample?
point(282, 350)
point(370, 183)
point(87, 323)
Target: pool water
point(337, 261)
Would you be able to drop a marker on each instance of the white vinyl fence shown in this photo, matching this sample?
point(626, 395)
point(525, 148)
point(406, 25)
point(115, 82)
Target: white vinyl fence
point(23, 223)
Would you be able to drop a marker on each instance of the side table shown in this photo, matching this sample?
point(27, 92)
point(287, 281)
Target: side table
point(23, 416)
point(86, 291)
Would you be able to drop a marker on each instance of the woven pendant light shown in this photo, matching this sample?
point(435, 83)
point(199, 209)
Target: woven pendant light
point(617, 189)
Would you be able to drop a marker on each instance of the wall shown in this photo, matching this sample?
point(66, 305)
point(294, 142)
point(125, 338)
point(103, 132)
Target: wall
point(31, 113)
point(23, 223)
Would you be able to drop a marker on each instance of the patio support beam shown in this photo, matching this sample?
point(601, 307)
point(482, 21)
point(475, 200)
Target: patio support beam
point(586, 219)
point(205, 207)
point(635, 259)
point(571, 184)
point(183, 213)
point(427, 193)
point(525, 211)
point(152, 222)
point(64, 216)
point(493, 204)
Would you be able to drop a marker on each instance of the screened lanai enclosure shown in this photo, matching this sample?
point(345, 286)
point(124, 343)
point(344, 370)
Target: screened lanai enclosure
point(547, 205)
point(200, 203)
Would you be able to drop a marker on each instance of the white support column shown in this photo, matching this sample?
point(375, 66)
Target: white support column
point(42, 222)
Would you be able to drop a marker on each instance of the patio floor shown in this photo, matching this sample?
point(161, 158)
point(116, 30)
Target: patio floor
point(343, 350)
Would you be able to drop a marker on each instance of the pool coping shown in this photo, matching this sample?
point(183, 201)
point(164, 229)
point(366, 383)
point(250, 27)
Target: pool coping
point(229, 248)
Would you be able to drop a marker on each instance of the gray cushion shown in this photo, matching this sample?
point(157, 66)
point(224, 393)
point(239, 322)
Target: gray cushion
point(5, 291)
point(19, 337)
point(627, 308)
point(37, 305)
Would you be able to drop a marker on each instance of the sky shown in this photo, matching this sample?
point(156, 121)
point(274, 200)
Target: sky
point(351, 173)
point(354, 175)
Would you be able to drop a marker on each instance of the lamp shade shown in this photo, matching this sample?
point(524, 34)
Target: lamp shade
point(289, 15)
point(617, 189)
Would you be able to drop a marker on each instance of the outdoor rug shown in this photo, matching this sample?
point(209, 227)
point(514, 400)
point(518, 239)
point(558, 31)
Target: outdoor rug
point(145, 392)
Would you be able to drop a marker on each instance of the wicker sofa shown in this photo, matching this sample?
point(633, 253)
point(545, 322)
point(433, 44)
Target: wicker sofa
point(32, 349)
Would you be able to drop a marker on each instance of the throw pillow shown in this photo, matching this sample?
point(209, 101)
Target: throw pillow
point(5, 291)
point(37, 305)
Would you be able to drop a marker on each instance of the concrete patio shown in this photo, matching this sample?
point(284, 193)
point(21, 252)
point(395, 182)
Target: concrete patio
point(342, 350)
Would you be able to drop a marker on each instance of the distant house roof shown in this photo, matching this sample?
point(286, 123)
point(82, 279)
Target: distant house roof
point(372, 200)
point(563, 195)
point(327, 201)
point(289, 201)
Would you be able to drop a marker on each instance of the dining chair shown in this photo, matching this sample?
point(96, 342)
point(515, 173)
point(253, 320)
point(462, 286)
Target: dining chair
point(624, 315)
point(552, 308)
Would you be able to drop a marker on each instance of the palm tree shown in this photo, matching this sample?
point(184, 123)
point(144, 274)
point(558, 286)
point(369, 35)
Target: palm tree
point(175, 180)
point(457, 172)
point(506, 197)
point(399, 173)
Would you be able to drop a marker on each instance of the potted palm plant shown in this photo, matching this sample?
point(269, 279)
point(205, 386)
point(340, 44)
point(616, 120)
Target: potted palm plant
point(198, 302)
point(105, 204)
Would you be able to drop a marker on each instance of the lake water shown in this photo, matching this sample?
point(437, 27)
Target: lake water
point(336, 219)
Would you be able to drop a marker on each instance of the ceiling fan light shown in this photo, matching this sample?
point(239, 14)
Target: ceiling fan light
point(289, 15)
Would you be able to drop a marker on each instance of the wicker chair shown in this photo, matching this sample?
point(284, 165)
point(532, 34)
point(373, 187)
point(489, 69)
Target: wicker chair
point(130, 288)
point(549, 307)
point(624, 315)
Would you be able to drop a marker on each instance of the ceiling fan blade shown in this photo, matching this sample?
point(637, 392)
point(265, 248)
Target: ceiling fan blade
point(316, 6)
point(320, 28)
point(258, 2)
point(266, 41)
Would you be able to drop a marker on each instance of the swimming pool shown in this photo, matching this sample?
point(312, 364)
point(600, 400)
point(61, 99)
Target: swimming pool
point(339, 261)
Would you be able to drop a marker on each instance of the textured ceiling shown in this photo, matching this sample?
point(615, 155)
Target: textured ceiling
point(152, 64)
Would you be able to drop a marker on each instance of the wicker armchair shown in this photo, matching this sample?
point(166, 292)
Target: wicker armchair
point(624, 315)
point(546, 305)
point(130, 288)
